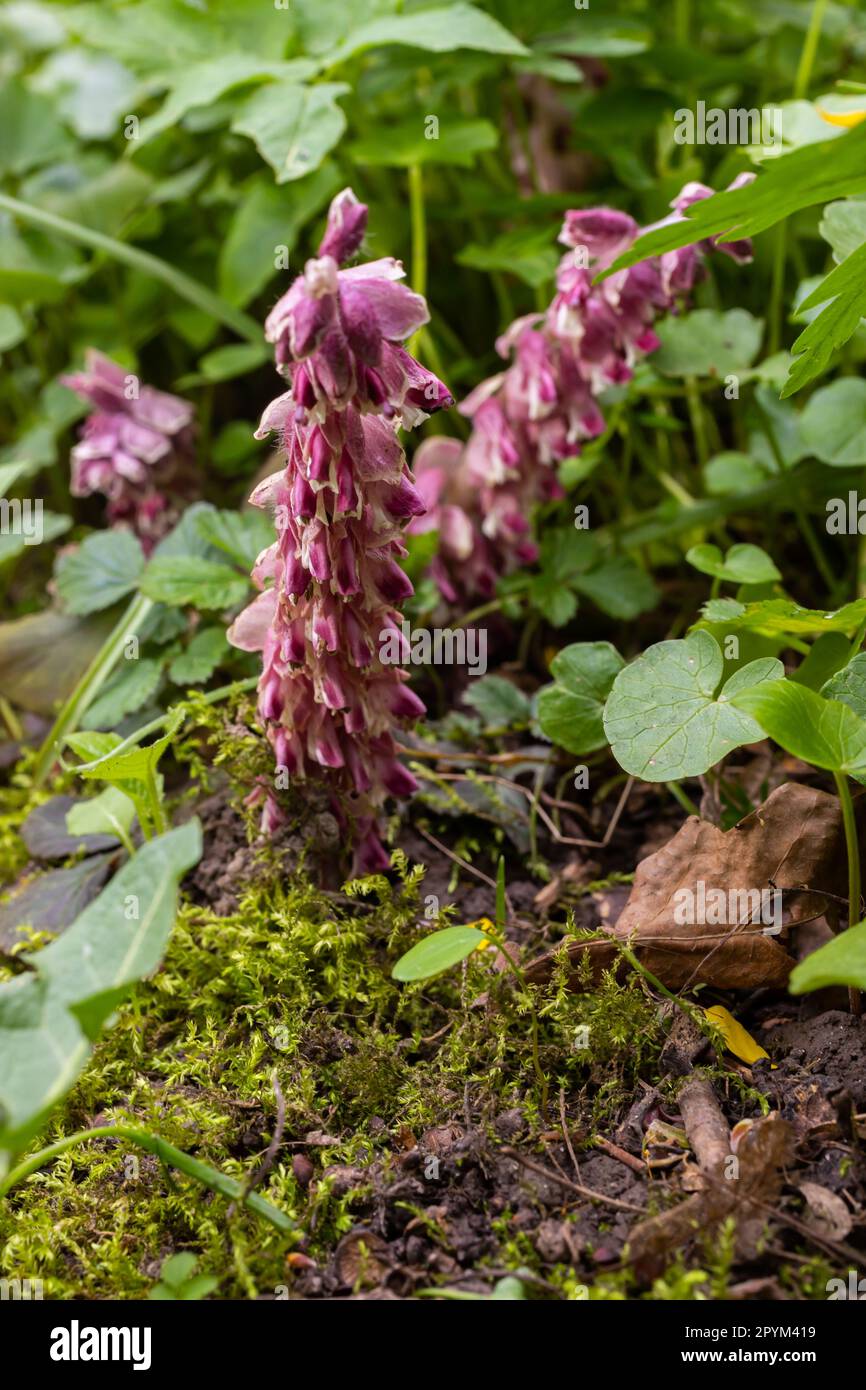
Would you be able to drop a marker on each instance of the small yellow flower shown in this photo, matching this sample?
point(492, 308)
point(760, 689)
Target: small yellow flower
point(482, 924)
point(847, 119)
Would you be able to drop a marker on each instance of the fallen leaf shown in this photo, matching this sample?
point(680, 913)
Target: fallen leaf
point(737, 1039)
point(51, 901)
point(827, 1214)
point(792, 842)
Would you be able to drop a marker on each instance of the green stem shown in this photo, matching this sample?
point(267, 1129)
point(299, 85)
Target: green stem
point(166, 1153)
point(89, 685)
point(810, 49)
point(777, 289)
point(696, 415)
point(183, 285)
point(684, 800)
point(213, 697)
point(419, 237)
point(852, 845)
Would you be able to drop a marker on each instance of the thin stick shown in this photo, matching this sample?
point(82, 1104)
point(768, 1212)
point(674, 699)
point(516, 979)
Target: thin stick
point(575, 1187)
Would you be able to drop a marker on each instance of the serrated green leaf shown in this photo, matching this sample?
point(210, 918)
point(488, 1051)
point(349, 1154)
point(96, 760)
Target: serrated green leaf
point(201, 658)
point(104, 568)
point(666, 718)
point(499, 702)
point(128, 690)
point(178, 580)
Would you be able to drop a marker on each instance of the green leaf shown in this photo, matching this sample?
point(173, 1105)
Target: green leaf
point(440, 30)
point(843, 225)
point(128, 690)
point(840, 296)
point(32, 134)
point(105, 567)
point(240, 535)
point(619, 588)
point(197, 664)
point(813, 174)
point(499, 702)
point(437, 952)
point(826, 656)
point(600, 36)
point(743, 564)
point(666, 718)
point(178, 1268)
point(179, 580)
point(50, 1017)
point(458, 141)
point(293, 127)
point(13, 330)
point(708, 342)
point(269, 216)
point(570, 711)
point(106, 814)
point(841, 961)
point(50, 526)
point(527, 253)
point(779, 615)
point(134, 765)
point(848, 684)
point(733, 472)
point(833, 424)
point(203, 83)
point(825, 733)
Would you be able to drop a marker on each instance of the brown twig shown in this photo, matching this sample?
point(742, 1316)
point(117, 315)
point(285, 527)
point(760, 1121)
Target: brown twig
point(575, 1187)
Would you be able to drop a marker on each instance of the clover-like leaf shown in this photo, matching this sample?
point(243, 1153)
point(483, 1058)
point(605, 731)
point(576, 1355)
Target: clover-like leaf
point(666, 717)
point(570, 710)
point(743, 564)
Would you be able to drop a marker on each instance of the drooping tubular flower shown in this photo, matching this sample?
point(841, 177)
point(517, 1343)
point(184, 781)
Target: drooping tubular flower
point(544, 405)
point(328, 697)
point(137, 448)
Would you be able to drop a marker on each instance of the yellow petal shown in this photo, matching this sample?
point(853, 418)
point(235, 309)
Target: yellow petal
point(737, 1040)
point(842, 118)
point(482, 924)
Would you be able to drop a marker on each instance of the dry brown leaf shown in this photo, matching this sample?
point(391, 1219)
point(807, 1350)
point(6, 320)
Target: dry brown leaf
point(792, 842)
point(827, 1214)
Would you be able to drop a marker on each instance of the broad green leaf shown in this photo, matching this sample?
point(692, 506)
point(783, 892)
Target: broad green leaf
point(203, 83)
point(133, 765)
point(834, 421)
point(527, 253)
point(293, 127)
point(600, 36)
point(128, 690)
point(666, 717)
point(458, 140)
point(826, 656)
point(92, 91)
point(179, 580)
point(105, 202)
point(843, 225)
point(825, 733)
point(206, 650)
point(105, 567)
point(618, 587)
point(779, 615)
point(187, 538)
point(438, 952)
point(743, 564)
point(817, 173)
point(225, 363)
point(570, 711)
point(242, 536)
point(440, 30)
point(49, 526)
point(849, 685)
point(499, 702)
point(841, 961)
point(269, 216)
point(51, 901)
point(733, 472)
point(106, 814)
point(51, 1016)
point(43, 655)
point(13, 329)
point(707, 342)
point(32, 134)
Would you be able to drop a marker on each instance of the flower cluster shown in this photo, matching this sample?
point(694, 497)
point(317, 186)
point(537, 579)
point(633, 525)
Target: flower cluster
point(544, 405)
point(137, 448)
point(341, 505)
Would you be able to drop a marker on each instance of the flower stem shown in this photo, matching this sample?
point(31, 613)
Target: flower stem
point(853, 847)
point(809, 51)
point(419, 238)
point(89, 685)
point(166, 1153)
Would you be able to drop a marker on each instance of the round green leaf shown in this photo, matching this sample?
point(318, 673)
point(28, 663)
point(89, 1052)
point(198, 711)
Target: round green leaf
point(570, 711)
point(664, 718)
point(743, 564)
point(834, 423)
